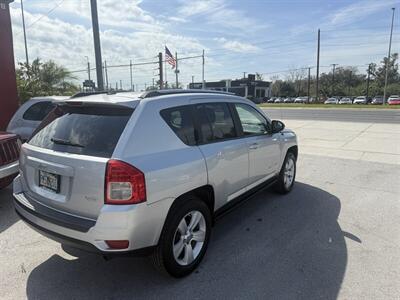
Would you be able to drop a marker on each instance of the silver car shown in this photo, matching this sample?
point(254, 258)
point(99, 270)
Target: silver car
point(135, 173)
point(30, 114)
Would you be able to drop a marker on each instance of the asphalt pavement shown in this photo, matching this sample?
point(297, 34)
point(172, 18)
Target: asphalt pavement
point(391, 116)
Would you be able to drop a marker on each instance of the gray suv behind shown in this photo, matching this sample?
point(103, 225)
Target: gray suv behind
point(135, 173)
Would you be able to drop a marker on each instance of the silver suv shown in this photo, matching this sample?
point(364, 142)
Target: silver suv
point(147, 173)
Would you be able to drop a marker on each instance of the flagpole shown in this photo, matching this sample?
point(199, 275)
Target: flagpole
point(203, 84)
point(165, 68)
point(176, 70)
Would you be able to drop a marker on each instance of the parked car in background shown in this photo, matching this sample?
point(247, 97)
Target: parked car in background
point(331, 101)
point(345, 101)
point(91, 176)
point(288, 100)
point(377, 100)
point(360, 100)
point(278, 100)
point(300, 100)
point(9, 155)
point(271, 100)
point(394, 100)
point(30, 114)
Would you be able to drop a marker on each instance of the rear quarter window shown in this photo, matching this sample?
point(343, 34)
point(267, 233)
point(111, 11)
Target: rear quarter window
point(38, 111)
point(92, 131)
point(180, 120)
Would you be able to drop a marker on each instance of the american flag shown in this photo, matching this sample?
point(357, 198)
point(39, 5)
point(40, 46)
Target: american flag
point(169, 57)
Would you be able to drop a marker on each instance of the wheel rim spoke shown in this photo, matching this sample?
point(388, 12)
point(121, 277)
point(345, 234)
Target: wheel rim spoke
point(178, 247)
point(182, 227)
point(188, 257)
point(196, 216)
point(199, 236)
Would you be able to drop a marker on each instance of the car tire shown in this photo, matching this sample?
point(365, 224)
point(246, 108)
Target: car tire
point(182, 263)
point(287, 175)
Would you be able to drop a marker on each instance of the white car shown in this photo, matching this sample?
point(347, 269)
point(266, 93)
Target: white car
point(30, 114)
point(331, 101)
point(136, 173)
point(345, 101)
point(300, 100)
point(360, 100)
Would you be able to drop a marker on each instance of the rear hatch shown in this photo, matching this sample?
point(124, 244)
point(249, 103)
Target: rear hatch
point(63, 165)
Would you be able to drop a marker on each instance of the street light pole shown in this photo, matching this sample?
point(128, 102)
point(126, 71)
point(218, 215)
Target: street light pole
point(388, 58)
point(23, 26)
point(97, 47)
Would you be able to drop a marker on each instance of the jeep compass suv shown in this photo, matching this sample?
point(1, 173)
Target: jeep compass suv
point(134, 173)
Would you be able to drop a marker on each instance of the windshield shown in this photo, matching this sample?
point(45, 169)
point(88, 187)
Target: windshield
point(82, 130)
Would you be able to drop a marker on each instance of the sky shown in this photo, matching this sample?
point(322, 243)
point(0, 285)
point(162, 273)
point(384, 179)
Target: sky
point(269, 37)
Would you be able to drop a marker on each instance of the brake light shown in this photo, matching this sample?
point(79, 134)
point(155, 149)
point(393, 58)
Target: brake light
point(124, 184)
point(117, 244)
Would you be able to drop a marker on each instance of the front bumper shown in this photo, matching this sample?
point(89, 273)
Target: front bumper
point(9, 169)
point(140, 224)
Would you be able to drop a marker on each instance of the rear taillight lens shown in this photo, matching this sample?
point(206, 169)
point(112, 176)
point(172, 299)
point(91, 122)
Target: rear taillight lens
point(124, 184)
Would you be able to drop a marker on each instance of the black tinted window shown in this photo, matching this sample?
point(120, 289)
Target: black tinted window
point(91, 131)
point(181, 122)
point(38, 111)
point(215, 122)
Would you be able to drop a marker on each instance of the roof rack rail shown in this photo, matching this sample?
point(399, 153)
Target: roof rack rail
point(84, 94)
point(156, 93)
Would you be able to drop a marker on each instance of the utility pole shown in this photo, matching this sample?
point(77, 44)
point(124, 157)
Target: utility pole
point(369, 72)
point(97, 47)
point(23, 26)
point(116, 86)
point(130, 69)
point(192, 79)
point(308, 85)
point(105, 71)
point(160, 67)
point(176, 70)
point(244, 75)
point(333, 79)
point(120, 84)
point(88, 67)
point(388, 58)
point(351, 74)
point(153, 83)
point(317, 83)
point(203, 83)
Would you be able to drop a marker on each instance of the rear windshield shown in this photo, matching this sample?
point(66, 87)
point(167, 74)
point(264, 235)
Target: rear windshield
point(84, 130)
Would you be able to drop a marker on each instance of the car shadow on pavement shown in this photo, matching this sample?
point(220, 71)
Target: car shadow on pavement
point(7, 213)
point(272, 246)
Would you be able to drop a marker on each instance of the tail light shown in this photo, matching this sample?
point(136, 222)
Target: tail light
point(124, 184)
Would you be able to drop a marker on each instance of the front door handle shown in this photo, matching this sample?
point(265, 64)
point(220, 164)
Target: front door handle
point(253, 146)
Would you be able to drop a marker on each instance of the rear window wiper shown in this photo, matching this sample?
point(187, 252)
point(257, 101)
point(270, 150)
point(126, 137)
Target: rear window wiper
point(65, 142)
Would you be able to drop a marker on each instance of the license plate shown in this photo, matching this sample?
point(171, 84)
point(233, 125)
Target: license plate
point(49, 181)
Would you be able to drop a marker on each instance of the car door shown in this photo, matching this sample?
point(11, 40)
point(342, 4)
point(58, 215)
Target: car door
point(225, 154)
point(264, 148)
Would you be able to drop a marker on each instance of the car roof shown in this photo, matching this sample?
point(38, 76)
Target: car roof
point(132, 99)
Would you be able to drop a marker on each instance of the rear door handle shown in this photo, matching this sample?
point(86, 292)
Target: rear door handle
point(253, 146)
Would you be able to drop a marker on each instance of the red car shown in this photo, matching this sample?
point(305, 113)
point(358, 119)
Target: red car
point(9, 153)
point(394, 100)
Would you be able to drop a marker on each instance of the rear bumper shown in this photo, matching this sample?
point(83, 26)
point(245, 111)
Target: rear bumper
point(140, 224)
point(9, 169)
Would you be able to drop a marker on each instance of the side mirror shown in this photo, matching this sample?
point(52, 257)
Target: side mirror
point(277, 126)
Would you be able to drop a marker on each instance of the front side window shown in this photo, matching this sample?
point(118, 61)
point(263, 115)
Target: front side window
point(180, 120)
point(38, 111)
point(215, 122)
point(252, 121)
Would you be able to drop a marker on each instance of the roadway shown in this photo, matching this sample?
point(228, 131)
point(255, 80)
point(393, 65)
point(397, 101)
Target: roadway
point(391, 116)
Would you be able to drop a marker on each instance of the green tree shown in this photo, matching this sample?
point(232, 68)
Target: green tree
point(43, 79)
